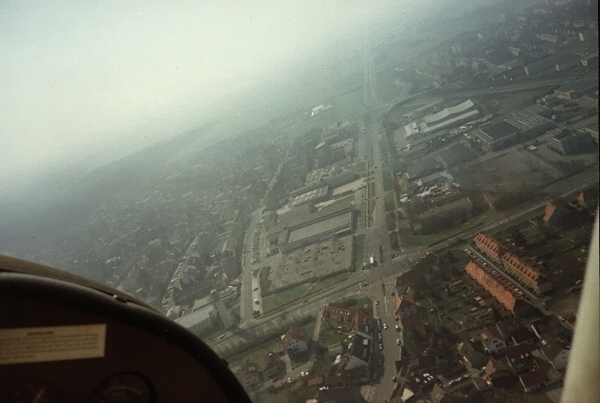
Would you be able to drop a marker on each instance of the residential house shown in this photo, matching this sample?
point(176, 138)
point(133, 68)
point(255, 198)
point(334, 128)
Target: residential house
point(506, 327)
point(405, 306)
point(354, 376)
point(509, 300)
point(403, 395)
point(513, 332)
point(338, 317)
point(479, 382)
point(498, 373)
point(489, 245)
point(362, 321)
point(273, 366)
point(522, 335)
point(588, 198)
point(527, 272)
point(317, 381)
point(441, 395)
point(556, 355)
point(250, 374)
point(360, 351)
point(404, 281)
point(472, 354)
point(533, 380)
point(555, 215)
point(335, 350)
point(492, 342)
point(412, 325)
point(519, 357)
point(294, 341)
point(346, 318)
point(424, 364)
point(547, 324)
point(340, 395)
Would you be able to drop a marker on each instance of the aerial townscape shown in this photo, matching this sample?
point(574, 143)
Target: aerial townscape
point(414, 229)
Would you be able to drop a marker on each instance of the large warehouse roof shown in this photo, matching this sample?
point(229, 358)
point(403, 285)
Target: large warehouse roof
point(343, 220)
point(499, 130)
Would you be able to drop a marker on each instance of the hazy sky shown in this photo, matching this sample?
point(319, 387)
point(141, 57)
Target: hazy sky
point(81, 76)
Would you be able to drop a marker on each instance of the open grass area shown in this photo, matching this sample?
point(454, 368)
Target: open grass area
point(330, 337)
point(299, 128)
point(371, 188)
point(505, 103)
point(280, 299)
point(349, 105)
point(264, 278)
point(257, 355)
point(359, 251)
point(388, 180)
point(359, 168)
point(383, 147)
point(422, 240)
point(365, 303)
point(394, 239)
point(389, 201)
point(514, 394)
point(390, 221)
point(580, 177)
point(390, 86)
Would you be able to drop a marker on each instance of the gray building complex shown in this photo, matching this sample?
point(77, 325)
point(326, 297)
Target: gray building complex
point(423, 167)
point(206, 313)
point(305, 225)
point(447, 117)
point(456, 155)
point(340, 222)
point(316, 195)
point(570, 141)
point(517, 127)
point(497, 136)
point(577, 88)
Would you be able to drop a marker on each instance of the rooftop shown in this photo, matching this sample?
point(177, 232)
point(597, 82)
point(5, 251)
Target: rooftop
point(580, 85)
point(499, 130)
point(456, 154)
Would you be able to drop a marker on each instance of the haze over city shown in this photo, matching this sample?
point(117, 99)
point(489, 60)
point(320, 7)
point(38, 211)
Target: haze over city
point(100, 81)
point(346, 200)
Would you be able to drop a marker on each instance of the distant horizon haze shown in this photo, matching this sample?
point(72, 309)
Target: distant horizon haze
point(87, 83)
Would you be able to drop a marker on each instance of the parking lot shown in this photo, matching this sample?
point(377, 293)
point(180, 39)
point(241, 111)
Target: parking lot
point(315, 260)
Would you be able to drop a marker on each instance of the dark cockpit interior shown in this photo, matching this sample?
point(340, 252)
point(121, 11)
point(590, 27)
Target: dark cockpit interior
point(67, 339)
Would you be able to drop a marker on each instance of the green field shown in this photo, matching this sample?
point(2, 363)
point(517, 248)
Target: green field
point(281, 299)
point(388, 180)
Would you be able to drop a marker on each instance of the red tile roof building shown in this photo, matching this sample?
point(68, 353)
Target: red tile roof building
point(346, 318)
point(489, 245)
point(405, 306)
point(510, 301)
point(588, 198)
point(519, 357)
point(412, 325)
point(527, 272)
point(294, 341)
point(554, 215)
